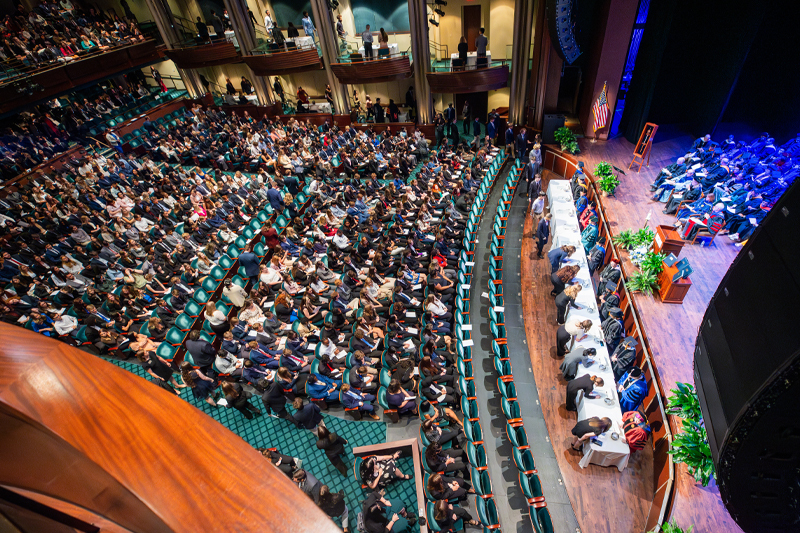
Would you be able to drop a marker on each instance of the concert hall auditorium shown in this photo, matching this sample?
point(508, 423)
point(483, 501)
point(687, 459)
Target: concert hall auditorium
point(408, 266)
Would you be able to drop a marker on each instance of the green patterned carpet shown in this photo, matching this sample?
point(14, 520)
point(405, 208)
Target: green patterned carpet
point(269, 432)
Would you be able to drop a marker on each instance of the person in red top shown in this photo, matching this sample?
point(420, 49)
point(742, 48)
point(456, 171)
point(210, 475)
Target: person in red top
point(302, 95)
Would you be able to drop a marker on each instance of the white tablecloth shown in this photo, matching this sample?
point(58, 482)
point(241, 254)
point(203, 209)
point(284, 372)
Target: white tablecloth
point(231, 38)
point(565, 230)
point(472, 58)
point(303, 42)
point(323, 107)
point(393, 50)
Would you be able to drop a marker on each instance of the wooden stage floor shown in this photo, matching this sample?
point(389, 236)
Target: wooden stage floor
point(605, 499)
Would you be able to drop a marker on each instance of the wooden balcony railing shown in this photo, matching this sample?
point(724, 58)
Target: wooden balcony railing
point(280, 63)
point(205, 55)
point(374, 71)
point(468, 80)
point(44, 84)
point(101, 444)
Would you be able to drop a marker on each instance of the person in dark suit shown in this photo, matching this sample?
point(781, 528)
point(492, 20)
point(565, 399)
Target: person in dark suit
point(201, 351)
point(543, 233)
point(491, 130)
point(510, 140)
point(202, 30)
point(333, 445)
point(251, 264)
point(308, 416)
point(275, 199)
point(450, 118)
point(306, 482)
point(521, 145)
point(585, 383)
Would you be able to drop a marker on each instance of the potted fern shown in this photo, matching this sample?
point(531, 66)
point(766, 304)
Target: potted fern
point(566, 139)
point(652, 262)
point(672, 527)
point(606, 179)
point(625, 239)
point(690, 446)
point(643, 282)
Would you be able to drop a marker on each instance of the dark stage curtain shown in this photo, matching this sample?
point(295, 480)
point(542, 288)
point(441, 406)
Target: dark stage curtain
point(648, 64)
point(693, 53)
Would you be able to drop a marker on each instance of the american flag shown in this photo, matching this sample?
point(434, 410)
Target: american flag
point(600, 110)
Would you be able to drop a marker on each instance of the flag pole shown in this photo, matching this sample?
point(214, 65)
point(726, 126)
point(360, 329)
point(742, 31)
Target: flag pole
point(593, 140)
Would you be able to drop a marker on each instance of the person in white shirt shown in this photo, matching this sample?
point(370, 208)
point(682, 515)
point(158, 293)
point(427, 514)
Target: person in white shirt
point(268, 22)
point(342, 242)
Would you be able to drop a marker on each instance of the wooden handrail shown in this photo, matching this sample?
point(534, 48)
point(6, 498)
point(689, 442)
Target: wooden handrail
point(565, 165)
point(85, 432)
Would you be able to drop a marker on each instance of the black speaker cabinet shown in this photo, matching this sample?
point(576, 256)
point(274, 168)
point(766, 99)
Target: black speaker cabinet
point(747, 374)
point(551, 124)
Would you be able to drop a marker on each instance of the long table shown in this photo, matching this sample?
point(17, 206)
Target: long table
point(565, 230)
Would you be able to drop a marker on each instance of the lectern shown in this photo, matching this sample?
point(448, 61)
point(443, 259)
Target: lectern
point(670, 290)
point(667, 240)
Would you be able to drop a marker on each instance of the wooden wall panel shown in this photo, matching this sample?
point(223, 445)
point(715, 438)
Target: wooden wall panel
point(208, 55)
point(376, 71)
point(281, 63)
point(128, 450)
point(469, 81)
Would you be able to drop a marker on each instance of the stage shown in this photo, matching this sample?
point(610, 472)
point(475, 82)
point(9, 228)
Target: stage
point(670, 329)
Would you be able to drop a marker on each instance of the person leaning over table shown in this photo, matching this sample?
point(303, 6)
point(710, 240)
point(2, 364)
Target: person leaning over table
point(561, 277)
point(586, 429)
point(565, 300)
point(567, 334)
point(556, 256)
point(585, 383)
point(569, 367)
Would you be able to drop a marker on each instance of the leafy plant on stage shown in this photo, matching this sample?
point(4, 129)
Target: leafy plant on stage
point(671, 527)
point(684, 402)
point(690, 446)
point(606, 179)
point(644, 282)
point(630, 239)
point(644, 236)
point(625, 239)
point(652, 262)
point(567, 140)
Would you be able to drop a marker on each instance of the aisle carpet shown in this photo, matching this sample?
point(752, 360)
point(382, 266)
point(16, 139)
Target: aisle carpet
point(269, 432)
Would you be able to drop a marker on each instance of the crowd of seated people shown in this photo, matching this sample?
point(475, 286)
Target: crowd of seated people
point(53, 128)
point(727, 187)
point(355, 278)
point(62, 31)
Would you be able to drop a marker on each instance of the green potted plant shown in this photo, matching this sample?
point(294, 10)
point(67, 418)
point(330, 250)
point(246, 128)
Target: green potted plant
point(652, 262)
point(606, 179)
point(566, 139)
point(691, 447)
point(684, 402)
point(644, 236)
point(625, 239)
point(643, 282)
point(671, 527)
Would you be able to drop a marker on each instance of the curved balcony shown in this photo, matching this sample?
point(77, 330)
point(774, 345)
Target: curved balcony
point(204, 55)
point(390, 67)
point(278, 63)
point(468, 80)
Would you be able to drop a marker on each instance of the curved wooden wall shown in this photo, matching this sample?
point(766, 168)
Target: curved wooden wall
point(83, 431)
point(207, 55)
point(284, 62)
point(565, 165)
point(375, 71)
point(468, 81)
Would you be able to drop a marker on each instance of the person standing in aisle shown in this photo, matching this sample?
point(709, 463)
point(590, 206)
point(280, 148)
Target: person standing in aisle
point(543, 233)
point(465, 113)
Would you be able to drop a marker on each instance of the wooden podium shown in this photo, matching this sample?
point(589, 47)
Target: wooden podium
point(667, 240)
point(669, 291)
